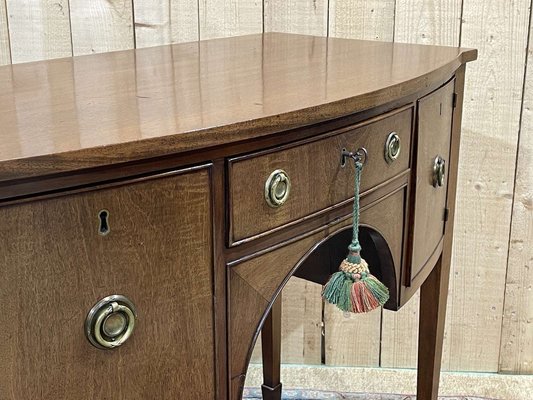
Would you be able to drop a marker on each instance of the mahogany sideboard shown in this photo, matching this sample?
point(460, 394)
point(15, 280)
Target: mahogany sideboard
point(154, 202)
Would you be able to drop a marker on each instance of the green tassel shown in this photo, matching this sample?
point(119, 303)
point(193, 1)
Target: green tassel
point(332, 290)
point(378, 289)
point(353, 288)
point(345, 300)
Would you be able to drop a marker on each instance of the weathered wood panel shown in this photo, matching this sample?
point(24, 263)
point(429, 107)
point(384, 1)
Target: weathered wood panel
point(301, 324)
point(351, 339)
point(297, 16)
point(362, 19)
point(38, 30)
point(220, 18)
point(301, 327)
point(101, 25)
point(5, 51)
point(486, 179)
point(164, 22)
point(399, 340)
point(428, 22)
point(516, 353)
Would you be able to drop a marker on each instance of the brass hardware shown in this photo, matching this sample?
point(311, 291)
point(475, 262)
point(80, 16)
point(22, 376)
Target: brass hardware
point(277, 188)
point(393, 147)
point(359, 155)
point(110, 322)
point(439, 171)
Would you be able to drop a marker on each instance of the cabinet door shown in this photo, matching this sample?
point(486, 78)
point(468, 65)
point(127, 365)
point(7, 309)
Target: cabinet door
point(57, 261)
point(435, 113)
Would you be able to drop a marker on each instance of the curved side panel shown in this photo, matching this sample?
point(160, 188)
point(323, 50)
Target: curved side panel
point(255, 284)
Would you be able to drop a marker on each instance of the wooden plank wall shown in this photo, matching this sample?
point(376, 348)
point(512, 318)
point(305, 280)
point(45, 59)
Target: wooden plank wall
point(516, 353)
point(490, 313)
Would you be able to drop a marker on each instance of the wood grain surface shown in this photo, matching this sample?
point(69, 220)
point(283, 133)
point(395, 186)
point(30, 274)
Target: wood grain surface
point(360, 75)
point(164, 22)
point(435, 113)
point(428, 22)
point(516, 353)
point(301, 327)
point(5, 50)
point(317, 178)
point(490, 138)
point(38, 30)
point(387, 216)
point(308, 17)
point(101, 25)
point(362, 19)
point(53, 273)
point(221, 18)
point(496, 26)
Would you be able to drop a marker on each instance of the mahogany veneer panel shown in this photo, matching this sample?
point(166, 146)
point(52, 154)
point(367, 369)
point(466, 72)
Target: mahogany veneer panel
point(317, 179)
point(435, 113)
point(253, 284)
point(198, 95)
point(55, 267)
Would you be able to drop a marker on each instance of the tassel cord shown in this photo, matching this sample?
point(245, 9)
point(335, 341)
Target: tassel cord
point(355, 246)
point(355, 238)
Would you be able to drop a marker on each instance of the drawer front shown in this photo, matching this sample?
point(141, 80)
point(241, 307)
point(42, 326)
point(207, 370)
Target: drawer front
point(317, 179)
point(435, 113)
point(57, 262)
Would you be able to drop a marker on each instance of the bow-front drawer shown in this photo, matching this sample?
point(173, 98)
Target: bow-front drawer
point(279, 187)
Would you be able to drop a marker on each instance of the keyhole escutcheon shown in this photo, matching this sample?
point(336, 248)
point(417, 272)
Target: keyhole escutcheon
point(103, 222)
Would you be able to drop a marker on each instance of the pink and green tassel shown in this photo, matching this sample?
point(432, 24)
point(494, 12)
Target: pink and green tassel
point(353, 288)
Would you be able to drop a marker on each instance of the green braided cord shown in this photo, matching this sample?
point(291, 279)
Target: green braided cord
point(355, 246)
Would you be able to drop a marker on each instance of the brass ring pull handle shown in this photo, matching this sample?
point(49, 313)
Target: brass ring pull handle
point(277, 188)
point(393, 146)
point(111, 322)
point(439, 171)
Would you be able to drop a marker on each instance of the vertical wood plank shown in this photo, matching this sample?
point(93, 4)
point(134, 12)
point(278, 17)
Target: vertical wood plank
point(428, 22)
point(164, 22)
point(399, 344)
point(301, 324)
point(297, 16)
point(221, 18)
point(38, 30)
point(5, 51)
point(486, 179)
point(516, 353)
point(351, 339)
point(101, 25)
point(425, 22)
point(362, 19)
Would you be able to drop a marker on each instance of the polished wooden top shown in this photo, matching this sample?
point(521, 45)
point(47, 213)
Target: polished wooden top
point(80, 112)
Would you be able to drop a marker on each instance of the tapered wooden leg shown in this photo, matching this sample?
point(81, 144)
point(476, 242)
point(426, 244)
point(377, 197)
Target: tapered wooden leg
point(433, 297)
point(271, 347)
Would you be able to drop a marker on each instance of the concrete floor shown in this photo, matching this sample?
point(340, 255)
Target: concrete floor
point(391, 384)
point(296, 394)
